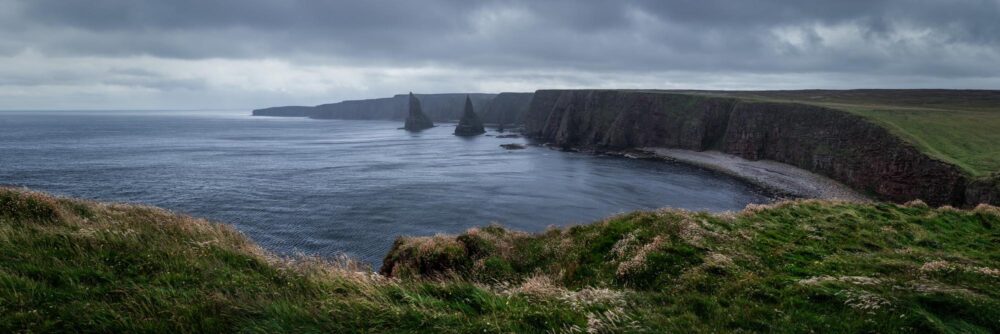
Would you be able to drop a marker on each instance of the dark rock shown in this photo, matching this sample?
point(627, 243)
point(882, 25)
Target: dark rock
point(290, 111)
point(437, 107)
point(416, 120)
point(506, 109)
point(512, 146)
point(469, 125)
point(985, 189)
point(834, 143)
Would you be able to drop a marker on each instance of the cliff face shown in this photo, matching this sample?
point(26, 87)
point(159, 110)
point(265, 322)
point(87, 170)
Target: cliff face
point(842, 146)
point(984, 190)
point(617, 119)
point(507, 109)
point(439, 107)
point(290, 111)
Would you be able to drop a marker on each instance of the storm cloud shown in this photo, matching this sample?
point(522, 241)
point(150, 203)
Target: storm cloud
point(250, 53)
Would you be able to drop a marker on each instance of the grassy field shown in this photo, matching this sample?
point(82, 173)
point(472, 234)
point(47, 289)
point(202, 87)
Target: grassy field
point(958, 126)
point(76, 266)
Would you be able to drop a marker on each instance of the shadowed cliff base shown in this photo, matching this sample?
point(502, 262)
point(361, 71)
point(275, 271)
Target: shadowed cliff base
point(802, 266)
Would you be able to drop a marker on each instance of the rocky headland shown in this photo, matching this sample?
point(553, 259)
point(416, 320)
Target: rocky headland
point(842, 146)
point(851, 149)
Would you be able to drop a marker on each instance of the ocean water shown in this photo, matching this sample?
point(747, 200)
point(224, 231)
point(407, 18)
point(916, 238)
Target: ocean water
point(324, 187)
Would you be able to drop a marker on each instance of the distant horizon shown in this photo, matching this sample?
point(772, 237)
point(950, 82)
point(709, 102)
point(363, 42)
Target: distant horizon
point(153, 109)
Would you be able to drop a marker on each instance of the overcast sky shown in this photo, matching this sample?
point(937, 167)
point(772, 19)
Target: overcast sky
point(86, 54)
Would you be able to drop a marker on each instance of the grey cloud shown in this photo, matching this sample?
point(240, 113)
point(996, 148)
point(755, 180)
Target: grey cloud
point(581, 40)
point(595, 35)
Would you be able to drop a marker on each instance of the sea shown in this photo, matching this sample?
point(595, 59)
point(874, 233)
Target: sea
point(327, 188)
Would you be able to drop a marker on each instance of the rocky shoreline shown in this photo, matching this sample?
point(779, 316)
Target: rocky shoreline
point(775, 176)
point(775, 179)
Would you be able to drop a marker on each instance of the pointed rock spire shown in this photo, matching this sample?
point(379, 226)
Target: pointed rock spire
point(469, 125)
point(417, 120)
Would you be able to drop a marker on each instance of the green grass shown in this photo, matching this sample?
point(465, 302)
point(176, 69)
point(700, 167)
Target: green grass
point(806, 266)
point(956, 126)
point(77, 266)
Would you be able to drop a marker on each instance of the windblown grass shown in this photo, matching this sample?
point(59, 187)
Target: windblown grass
point(77, 266)
point(803, 266)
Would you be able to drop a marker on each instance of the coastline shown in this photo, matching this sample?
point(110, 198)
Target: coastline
point(773, 175)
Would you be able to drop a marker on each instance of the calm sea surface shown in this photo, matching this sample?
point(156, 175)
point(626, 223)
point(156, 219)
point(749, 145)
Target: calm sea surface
point(325, 187)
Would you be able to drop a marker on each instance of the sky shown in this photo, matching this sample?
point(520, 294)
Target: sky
point(235, 54)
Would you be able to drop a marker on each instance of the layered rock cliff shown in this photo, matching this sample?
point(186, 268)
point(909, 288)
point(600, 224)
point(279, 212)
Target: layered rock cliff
point(834, 143)
point(507, 109)
point(289, 111)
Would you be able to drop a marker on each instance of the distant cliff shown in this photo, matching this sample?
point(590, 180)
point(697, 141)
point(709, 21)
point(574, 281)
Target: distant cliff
point(290, 111)
point(507, 109)
point(439, 107)
point(840, 145)
point(503, 108)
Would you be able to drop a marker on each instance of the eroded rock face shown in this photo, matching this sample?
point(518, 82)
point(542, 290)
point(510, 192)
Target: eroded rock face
point(506, 109)
point(469, 125)
point(289, 111)
point(416, 120)
point(984, 189)
point(837, 144)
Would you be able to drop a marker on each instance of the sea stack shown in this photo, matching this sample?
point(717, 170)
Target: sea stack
point(469, 125)
point(416, 120)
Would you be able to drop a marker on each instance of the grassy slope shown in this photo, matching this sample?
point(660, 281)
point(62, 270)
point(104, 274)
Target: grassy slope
point(794, 267)
point(68, 265)
point(960, 127)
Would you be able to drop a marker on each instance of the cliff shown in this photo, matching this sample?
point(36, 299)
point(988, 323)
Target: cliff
point(507, 109)
point(289, 111)
point(439, 107)
point(834, 143)
point(985, 189)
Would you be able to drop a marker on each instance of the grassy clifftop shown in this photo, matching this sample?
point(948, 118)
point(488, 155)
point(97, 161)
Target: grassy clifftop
point(70, 265)
point(957, 126)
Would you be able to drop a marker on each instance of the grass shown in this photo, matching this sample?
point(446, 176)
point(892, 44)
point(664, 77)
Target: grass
point(77, 266)
point(956, 126)
point(805, 266)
